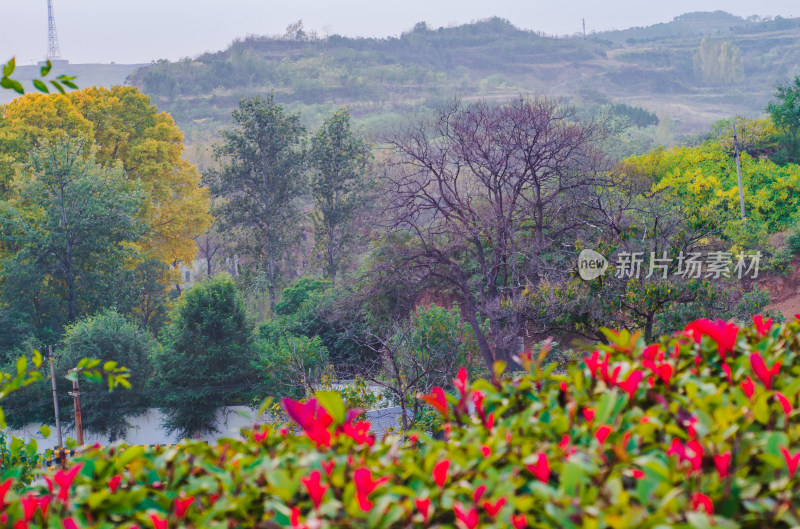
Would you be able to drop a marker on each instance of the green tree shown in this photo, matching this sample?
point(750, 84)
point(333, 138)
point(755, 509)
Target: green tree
point(785, 112)
point(719, 62)
point(338, 160)
point(206, 359)
point(292, 365)
point(108, 335)
point(72, 226)
point(259, 182)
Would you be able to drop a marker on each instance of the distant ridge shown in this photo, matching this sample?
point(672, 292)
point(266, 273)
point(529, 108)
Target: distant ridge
point(704, 23)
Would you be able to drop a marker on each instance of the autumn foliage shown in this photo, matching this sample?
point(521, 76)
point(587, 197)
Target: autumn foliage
point(700, 429)
point(126, 129)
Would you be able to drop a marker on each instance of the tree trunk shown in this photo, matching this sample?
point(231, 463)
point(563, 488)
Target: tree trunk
point(483, 343)
point(331, 263)
point(70, 283)
point(271, 286)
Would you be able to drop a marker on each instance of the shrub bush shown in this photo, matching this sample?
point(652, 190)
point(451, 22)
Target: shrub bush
point(698, 430)
point(108, 335)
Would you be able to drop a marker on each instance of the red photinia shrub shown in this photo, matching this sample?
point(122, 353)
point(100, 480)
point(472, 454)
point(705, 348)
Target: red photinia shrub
point(701, 429)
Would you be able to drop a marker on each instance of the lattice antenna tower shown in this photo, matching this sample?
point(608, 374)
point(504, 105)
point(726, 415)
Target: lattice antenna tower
point(53, 50)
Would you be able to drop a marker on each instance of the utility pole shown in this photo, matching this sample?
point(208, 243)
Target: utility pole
point(76, 395)
point(584, 27)
point(55, 395)
point(738, 170)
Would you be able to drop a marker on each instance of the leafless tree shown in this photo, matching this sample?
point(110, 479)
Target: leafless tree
point(406, 368)
point(484, 198)
point(212, 248)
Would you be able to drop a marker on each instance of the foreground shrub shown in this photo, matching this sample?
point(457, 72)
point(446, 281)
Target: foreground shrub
point(205, 362)
point(698, 430)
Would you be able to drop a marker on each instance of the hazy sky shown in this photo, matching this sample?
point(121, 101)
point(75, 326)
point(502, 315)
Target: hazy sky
point(135, 31)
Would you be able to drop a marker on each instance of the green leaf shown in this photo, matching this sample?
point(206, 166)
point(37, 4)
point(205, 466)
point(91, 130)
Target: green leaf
point(45, 431)
point(8, 68)
point(46, 68)
point(333, 404)
point(131, 453)
point(22, 365)
point(699, 520)
point(775, 440)
point(761, 408)
point(58, 86)
point(40, 86)
point(571, 478)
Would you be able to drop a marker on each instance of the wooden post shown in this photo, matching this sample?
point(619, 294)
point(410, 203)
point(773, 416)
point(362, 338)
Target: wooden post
point(55, 395)
point(76, 395)
point(738, 170)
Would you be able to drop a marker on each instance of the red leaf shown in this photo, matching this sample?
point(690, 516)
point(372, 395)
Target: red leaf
point(723, 464)
point(315, 489)
point(701, 500)
point(631, 384)
point(478, 494)
point(440, 472)
point(727, 369)
point(158, 522)
point(4, 488)
point(593, 362)
point(665, 372)
point(423, 506)
point(748, 387)
point(541, 469)
point(785, 404)
point(438, 401)
point(328, 466)
point(762, 372)
point(723, 333)
point(461, 381)
point(762, 325)
point(467, 519)
point(365, 485)
point(181, 505)
point(113, 483)
point(493, 508)
point(602, 433)
point(65, 480)
point(792, 461)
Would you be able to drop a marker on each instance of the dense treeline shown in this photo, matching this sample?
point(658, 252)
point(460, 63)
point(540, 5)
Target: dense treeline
point(454, 242)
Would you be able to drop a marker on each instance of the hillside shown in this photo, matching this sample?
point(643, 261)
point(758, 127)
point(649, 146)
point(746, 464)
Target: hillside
point(653, 67)
point(386, 80)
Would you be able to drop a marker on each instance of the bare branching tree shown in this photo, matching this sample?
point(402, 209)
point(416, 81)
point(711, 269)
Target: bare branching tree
point(482, 199)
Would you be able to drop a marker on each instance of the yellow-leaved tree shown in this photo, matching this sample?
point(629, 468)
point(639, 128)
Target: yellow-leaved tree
point(126, 129)
point(704, 179)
